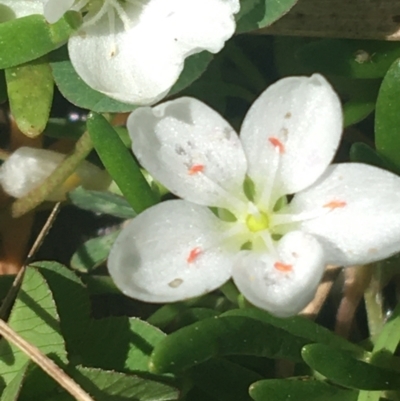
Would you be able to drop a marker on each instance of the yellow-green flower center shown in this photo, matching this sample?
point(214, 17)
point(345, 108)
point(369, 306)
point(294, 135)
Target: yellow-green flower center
point(257, 222)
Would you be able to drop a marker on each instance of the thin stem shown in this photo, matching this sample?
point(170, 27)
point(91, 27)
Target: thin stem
point(38, 195)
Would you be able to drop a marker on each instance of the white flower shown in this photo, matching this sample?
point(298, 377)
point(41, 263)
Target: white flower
point(28, 167)
point(134, 50)
point(277, 247)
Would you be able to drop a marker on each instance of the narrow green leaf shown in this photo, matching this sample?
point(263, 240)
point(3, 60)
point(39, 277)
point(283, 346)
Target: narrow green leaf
point(302, 389)
point(113, 386)
point(25, 39)
point(120, 163)
point(343, 368)
point(12, 391)
point(30, 92)
point(33, 316)
point(78, 92)
point(387, 116)
point(94, 342)
point(93, 252)
point(298, 326)
point(353, 58)
point(362, 153)
point(101, 202)
point(255, 14)
point(220, 336)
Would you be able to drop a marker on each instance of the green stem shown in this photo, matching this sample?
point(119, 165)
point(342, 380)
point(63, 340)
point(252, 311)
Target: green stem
point(38, 195)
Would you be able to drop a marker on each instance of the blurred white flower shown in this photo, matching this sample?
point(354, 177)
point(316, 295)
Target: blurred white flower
point(134, 50)
point(27, 168)
point(275, 248)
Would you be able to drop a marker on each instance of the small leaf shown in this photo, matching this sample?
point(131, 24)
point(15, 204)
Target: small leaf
point(25, 39)
point(220, 336)
point(12, 391)
point(113, 386)
point(387, 116)
point(30, 92)
point(343, 368)
point(256, 14)
point(120, 163)
point(299, 390)
point(33, 316)
point(78, 92)
point(93, 252)
point(362, 153)
point(101, 202)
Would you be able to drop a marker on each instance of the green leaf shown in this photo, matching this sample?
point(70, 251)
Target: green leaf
point(3, 87)
point(220, 336)
point(120, 163)
point(387, 116)
point(343, 368)
point(12, 391)
point(303, 389)
point(86, 338)
point(298, 326)
point(113, 386)
point(93, 252)
point(224, 380)
point(25, 39)
point(352, 58)
point(33, 316)
point(78, 92)
point(362, 153)
point(255, 14)
point(30, 92)
point(194, 67)
point(101, 202)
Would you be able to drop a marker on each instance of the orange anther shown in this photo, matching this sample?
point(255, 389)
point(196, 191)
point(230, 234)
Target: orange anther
point(335, 204)
point(277, 143)
point(282, 267)
point(196, 168)
point(194, 253)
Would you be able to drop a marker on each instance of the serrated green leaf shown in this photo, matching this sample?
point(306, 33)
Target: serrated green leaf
point(352, 58)
point(387, 116)
point(113, 386)
point(78, 92)
point(302, 389)
point(298, 326)
point(25, 39)
point(220, 336)
point(123, 169)
point(30, 93)
point(224, 380)
point(13, 389)
point(34, 317)
point(256, 14)
point(343, 368)
point(101, 202)
point(93, 252)
point(86, 338)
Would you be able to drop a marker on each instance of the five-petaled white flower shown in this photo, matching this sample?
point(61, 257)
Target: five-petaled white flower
point(273, 245)
point(134, 50)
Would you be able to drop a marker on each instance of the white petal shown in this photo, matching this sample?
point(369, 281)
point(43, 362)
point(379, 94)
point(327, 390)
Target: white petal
point(28, 167)
point(360, 219)
point(139, 61)
point(10, 9)
point(171, 252)
point(55, 9)
point(303, 116)
point(191, 150)
point(286, 282)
